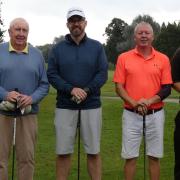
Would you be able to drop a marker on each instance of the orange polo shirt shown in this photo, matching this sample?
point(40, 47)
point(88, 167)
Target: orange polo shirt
point(142, 78)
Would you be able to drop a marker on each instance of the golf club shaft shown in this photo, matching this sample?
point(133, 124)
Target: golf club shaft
point(79, 134)
point(14, 142)
point(144, 136)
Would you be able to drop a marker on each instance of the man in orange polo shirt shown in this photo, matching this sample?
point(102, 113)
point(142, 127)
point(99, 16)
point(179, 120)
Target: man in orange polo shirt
point(143, 79)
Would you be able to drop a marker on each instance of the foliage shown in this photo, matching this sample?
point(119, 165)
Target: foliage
point(45, 50)
point(58, 39)
point(114, 33)
point(169, 39)
point(1, 25)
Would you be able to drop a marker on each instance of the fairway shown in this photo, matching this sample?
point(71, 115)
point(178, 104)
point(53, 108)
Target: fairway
point(110, 145)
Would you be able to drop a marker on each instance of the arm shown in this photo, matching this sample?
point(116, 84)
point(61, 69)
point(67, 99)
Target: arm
point(139, 106)
point(101, 74)
point(164, 92)
point(120, 90)
point(176, 86)
point(175, 65)
point(54, 77)
point(43, 85)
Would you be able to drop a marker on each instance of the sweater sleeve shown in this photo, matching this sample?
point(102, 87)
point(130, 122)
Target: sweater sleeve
point(101, 72)
point(43, 86)
point(54, 76)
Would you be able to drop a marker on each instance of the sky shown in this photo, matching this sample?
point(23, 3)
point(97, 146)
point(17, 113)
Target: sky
point(47, 18)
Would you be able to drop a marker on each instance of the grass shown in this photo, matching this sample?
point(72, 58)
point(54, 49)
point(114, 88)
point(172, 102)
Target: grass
point(110, 144)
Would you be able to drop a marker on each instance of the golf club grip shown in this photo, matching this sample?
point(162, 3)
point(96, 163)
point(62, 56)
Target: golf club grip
point(16, 89)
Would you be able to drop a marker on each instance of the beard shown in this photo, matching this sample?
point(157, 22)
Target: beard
point(76, 31)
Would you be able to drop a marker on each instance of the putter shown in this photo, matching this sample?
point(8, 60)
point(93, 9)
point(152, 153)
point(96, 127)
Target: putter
point(79, 134)
point(14, 140)
point(144, 137)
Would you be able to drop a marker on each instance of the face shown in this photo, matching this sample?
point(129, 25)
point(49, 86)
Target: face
point(143, 35)
point(76, 26)
point(18, 33)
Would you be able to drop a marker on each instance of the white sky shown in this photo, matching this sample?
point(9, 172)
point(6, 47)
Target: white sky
point(47, 18)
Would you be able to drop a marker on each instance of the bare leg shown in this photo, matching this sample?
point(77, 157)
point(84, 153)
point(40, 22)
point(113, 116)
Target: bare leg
point(154, 168)
point(94, 166)
point(130, 168)
point(63, 164)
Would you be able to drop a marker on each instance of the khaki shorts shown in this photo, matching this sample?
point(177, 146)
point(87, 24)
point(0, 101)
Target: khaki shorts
point(66, 128)
point(132, 124)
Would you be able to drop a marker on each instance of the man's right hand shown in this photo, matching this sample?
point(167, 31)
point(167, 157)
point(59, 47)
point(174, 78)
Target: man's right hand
point(12, 96)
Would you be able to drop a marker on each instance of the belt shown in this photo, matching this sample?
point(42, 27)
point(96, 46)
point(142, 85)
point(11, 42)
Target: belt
point(150, 111)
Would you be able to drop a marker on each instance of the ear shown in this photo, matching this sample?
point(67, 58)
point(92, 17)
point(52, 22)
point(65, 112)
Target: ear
point(9, 31)
point(85, 23)
point(67, 25)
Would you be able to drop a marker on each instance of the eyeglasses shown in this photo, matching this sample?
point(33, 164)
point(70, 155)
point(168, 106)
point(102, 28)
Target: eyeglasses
point(74, 21)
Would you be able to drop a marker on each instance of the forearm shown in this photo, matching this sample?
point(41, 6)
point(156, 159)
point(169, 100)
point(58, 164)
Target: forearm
point(176, 86)
point(120, 90)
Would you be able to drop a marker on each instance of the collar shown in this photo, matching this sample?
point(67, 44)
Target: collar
point(149, 57)
point(25, 50)
point(69, 38)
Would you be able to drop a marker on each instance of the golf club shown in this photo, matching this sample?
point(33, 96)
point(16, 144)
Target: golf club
point(79, 134)
point(144, 137)
point(14, 139)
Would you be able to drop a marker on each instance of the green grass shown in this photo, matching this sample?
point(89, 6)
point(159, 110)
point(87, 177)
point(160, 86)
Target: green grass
point(110, 144)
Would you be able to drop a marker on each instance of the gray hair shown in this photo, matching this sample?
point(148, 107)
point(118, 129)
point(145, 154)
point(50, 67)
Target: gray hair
point(142, 23)
point(16, 20)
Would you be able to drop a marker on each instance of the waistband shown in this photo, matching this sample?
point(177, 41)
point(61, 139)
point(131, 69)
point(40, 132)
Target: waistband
point(150, 111)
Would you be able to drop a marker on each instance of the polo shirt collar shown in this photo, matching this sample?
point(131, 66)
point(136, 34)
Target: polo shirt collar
point(25, 50)
point(150, 56)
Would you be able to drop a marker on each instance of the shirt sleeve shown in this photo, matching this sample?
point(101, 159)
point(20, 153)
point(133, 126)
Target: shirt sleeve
point(119, 73)
point(43, 85)
point(54, 77)
point(166, 72)
point(101, 73)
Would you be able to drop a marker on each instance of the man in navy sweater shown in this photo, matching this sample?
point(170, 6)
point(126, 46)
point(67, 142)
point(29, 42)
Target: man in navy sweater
point(22, 68)
point(77, 69)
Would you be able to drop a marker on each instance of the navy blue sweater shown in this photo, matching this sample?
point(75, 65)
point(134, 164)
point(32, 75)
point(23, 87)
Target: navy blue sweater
point(71, 65)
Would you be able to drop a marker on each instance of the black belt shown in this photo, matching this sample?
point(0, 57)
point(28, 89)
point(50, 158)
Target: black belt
point(150, 111)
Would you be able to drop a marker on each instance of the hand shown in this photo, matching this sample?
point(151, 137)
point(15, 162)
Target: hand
point(12, 96)
point(142, 110)
point(142, 106)
point(24, 100)
point(79, 94)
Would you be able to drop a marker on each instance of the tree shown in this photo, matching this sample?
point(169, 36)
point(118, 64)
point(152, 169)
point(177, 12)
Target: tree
point(58, 39)
point(114, 33)
point(169, 39)
point(45, 49)
point(1, 25)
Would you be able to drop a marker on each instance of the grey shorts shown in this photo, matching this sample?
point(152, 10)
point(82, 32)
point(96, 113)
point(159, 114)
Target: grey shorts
point(132, 124)
point(66, 129)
